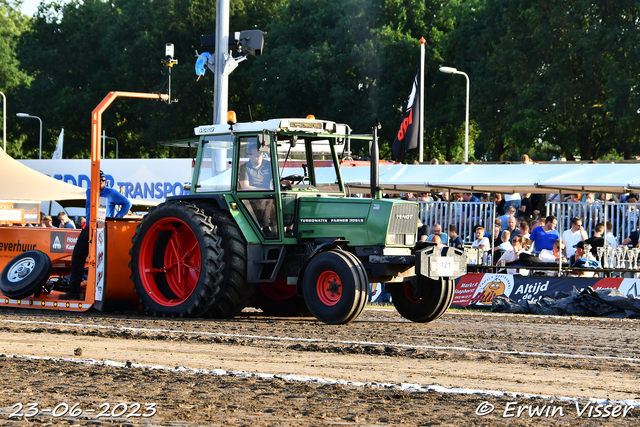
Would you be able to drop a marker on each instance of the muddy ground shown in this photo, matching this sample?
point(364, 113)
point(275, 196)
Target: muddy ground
point(258, 371)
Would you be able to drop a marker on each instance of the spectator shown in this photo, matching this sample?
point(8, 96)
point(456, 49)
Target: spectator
point(471, 211)
point(82, 222)
point(435, 161)
point(65, 222)
point(438, 242)
point(511, 228)
point(581, 259)
point(632, 239)
point(597, 240)
point(526, 160)
point(437, 231)
point(505, 245)
point(46, 222)
point(611, 240)
point(632, 214)
point(574, 235)
point(423, 231)
point(510, 212)
point(544, 236)
point(526, 207)
point(481, 242)
point(524, 229)
point(512, 200)
point(554, 255)
point(454, 239)
point(513, 255)
point(499, 204)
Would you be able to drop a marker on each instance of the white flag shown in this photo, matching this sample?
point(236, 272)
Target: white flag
point(58, 153)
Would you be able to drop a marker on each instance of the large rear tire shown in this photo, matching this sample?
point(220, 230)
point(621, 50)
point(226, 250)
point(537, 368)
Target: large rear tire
point(235, 292)
point(425, 302)
point(176, 260)
point(333, 287)
point(25, 274)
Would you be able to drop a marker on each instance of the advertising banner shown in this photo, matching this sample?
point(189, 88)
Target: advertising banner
point(479, 290)
point(140, 179)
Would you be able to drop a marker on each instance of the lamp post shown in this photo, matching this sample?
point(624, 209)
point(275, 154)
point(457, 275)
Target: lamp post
point(451, 70)
point(104, 143)
point(25, 115)
point(4, 122)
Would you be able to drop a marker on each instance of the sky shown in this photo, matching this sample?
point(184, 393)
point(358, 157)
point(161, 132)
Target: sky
point(30, 7)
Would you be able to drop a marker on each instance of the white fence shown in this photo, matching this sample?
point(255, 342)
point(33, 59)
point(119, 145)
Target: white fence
point(465, 216)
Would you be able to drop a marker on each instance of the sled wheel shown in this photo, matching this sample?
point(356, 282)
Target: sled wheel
point(424, 302)
point(235, 292)
point(279, 299)
point(333, 287)
point(176, 260)
point(25, 274)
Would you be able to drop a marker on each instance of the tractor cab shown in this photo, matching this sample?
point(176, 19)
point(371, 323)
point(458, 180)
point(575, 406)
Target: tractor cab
point(264, 168)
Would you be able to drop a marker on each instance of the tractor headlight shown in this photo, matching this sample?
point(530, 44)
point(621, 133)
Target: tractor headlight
point(391, 239)
point(410, 239)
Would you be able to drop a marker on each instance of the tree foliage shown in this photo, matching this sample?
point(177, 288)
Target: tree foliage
point(550, 78)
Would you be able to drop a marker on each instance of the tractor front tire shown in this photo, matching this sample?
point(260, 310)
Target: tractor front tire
point(176, 260)
point(425, 302)
point(334, 287)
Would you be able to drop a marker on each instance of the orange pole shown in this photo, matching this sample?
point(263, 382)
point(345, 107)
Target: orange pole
point(96, 146)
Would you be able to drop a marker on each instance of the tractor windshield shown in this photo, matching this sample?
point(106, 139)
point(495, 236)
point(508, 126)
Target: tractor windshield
point(215, 164)
point(294, 154)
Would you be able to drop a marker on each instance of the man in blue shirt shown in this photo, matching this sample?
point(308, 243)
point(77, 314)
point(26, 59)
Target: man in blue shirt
point(544, 236)
point(81, 250)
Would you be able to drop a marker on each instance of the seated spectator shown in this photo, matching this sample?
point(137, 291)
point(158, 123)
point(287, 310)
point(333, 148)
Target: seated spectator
point(544, 236)
point(581, 259)
point(437, 231)
point(481, 242)
point(423, 231)
point(574, 235)
point(597, 240)
point(46, 222)
point(454, 240)
point(554, 255)
point(505, 245)
point(632, 239)
point(512, 228)
point(438, 242)
point(513, 255)
point(82, 222)
point(65, 222)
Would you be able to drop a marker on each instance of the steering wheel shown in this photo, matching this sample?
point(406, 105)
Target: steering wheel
point(295, 179)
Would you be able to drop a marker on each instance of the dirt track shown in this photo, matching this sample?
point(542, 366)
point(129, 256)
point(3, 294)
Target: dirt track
point(560, 357)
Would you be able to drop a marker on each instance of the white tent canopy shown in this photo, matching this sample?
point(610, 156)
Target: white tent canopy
point(20, 182)
point(508, 179)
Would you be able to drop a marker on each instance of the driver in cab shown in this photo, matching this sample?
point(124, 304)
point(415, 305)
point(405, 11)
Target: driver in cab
point(256, 174)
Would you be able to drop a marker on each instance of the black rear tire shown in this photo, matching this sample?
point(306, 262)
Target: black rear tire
point(425, 302)
point(235, 292)
point(176, 260)
point(333, 287)
point(25, 274)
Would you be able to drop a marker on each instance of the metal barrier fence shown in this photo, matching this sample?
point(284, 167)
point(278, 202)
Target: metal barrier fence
point(465, 216)
point(623, 216)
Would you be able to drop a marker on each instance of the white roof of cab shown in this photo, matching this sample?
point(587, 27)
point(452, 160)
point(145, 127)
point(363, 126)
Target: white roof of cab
point(275, 125)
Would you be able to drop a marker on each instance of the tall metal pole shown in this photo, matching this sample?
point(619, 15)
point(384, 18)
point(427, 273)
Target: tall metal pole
point(421, 125)
point(4, 122)
point(451, 70)
point(220, 88)
point(25, 115)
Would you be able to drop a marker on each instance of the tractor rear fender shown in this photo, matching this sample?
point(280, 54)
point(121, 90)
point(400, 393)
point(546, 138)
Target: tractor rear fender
point(323, 247)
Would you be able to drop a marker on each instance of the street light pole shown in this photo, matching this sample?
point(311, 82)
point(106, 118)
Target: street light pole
point(451, 70)
point(4, 122)
point(104, 142)
point(25, 115)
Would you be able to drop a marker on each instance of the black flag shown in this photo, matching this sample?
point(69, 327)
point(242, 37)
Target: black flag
point(407, 137)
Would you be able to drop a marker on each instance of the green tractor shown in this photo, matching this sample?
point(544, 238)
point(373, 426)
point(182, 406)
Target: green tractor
point(267, 223)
